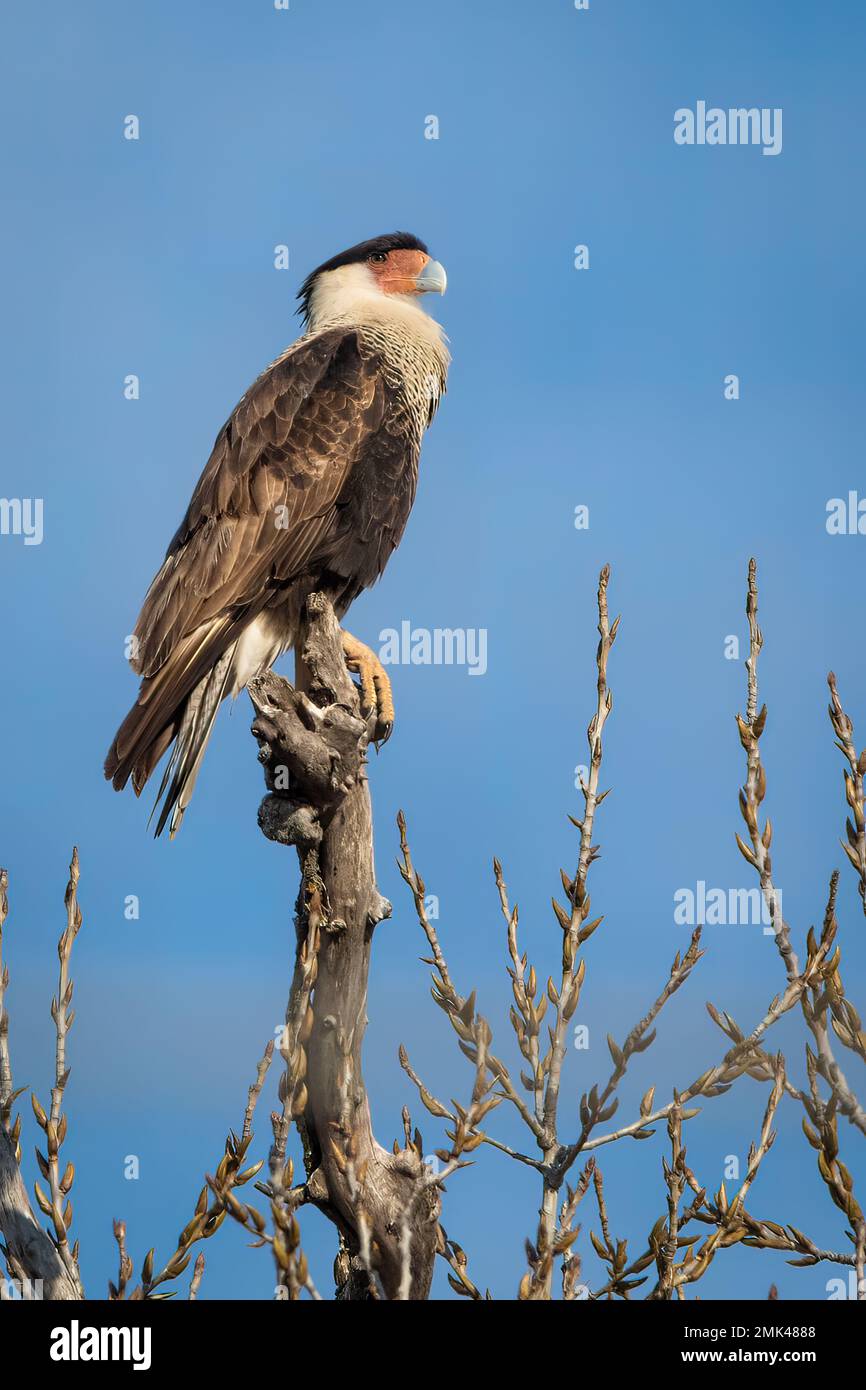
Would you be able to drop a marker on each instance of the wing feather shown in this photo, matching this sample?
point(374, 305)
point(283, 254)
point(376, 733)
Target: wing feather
point(268, 495)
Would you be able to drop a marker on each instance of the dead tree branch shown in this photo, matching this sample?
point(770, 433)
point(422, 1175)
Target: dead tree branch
point(313, 745)
point(42, 1266)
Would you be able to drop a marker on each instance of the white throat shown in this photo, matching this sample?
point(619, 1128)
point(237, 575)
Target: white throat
point(351, 295)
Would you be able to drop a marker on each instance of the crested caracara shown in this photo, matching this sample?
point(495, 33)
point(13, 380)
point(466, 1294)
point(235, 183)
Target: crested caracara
point(308, 488)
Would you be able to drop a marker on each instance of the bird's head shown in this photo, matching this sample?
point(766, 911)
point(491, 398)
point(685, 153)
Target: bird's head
point(396, 266)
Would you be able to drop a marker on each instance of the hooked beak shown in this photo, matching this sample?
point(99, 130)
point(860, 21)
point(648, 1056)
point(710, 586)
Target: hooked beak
point(432, 279)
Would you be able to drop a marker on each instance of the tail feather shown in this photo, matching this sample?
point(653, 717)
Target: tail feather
point(196, 724)
point(155, 717)
point(178, 704)
point(148, 760)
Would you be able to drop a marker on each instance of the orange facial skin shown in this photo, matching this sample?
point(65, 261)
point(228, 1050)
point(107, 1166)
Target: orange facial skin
point(399, 270)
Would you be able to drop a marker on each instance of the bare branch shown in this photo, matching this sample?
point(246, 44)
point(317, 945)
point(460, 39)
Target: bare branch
point(855, 846)
point(313, 745)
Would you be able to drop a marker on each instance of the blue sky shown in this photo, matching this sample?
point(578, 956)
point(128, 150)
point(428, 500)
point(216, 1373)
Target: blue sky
point(601, 388)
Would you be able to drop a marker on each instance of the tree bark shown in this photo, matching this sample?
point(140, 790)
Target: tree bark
point(313, 745)
point(32, 1256)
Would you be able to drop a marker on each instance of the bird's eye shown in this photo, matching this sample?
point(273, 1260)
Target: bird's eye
point(378, 257)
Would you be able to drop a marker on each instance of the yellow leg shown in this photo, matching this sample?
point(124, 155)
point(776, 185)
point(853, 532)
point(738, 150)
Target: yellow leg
point(376, 696)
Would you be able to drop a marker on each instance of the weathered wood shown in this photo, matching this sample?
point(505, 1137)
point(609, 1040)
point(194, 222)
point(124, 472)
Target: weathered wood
point(32, 1256)
point(313, 746)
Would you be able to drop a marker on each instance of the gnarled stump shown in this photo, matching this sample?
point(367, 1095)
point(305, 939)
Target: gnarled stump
point(313, 745)
point(30, 1251)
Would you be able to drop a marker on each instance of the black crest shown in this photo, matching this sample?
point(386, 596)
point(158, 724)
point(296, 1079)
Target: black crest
point(391, 241)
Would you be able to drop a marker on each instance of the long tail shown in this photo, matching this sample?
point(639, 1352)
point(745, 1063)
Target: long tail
point(178, 780)
point(179, 704)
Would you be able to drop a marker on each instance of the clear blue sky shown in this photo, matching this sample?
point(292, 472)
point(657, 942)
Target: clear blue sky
point(601, 387)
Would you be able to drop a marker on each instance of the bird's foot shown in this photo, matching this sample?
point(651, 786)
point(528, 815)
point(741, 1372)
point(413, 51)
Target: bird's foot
point(376, 696)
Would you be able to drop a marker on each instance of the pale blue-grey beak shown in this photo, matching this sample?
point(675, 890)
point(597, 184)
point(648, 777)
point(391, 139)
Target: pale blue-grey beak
point(432, 279)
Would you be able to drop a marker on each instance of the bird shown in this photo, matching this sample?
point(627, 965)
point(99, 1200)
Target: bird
point(308, 488)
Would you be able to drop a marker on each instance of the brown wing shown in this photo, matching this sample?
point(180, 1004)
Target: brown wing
point(264, 505)
point(267, 496)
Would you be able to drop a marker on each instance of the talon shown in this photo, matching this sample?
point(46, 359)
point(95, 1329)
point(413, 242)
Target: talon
point(376, 695)
point(384, 731)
